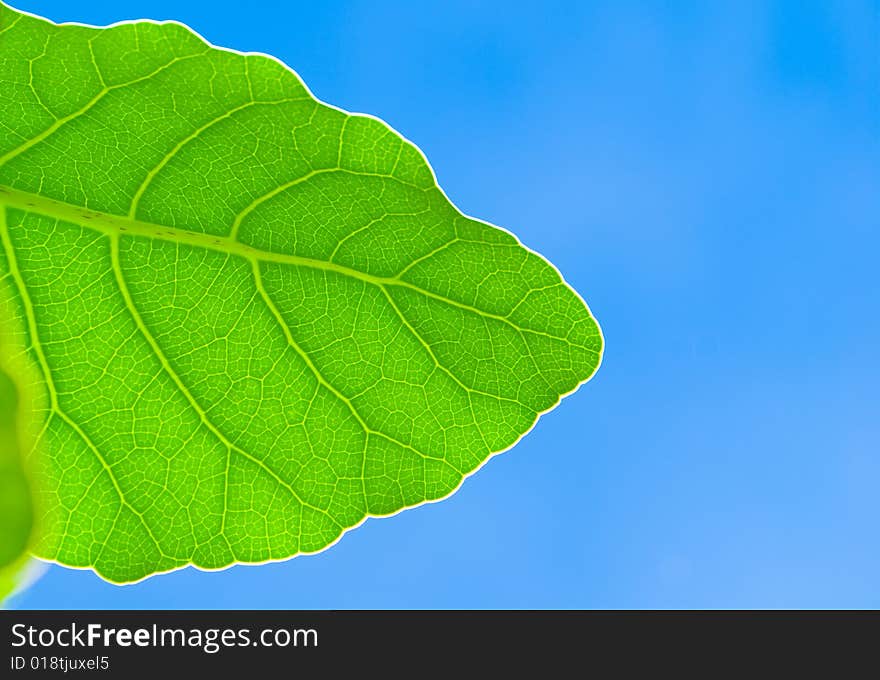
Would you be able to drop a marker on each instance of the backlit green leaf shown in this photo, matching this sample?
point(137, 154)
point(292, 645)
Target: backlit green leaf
point(257, 318)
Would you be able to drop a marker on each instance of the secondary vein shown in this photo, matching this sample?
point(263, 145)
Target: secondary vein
point(55, 406)
point(184, 390)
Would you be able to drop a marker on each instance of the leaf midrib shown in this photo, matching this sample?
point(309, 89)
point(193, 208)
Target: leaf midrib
point(117, 225)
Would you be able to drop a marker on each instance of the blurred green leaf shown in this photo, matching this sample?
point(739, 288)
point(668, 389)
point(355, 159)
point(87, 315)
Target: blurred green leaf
point(16, 503)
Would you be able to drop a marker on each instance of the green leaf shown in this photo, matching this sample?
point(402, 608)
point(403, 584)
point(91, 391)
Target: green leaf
point(257, 318)
point(16, 502)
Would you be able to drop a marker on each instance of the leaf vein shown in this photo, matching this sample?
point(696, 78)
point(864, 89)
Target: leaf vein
point(184, 390)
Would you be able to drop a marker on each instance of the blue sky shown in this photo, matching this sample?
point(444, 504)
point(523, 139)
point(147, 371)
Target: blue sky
point(706, 175)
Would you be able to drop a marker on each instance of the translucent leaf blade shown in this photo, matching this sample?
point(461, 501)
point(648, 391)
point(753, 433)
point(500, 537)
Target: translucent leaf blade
point(257, 318)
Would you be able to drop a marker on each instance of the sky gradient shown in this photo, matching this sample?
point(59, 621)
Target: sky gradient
point(707, 178)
